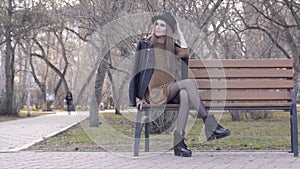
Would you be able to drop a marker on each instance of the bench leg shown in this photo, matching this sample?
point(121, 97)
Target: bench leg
point(147, 132)
point(138, 131)
point(294, 130)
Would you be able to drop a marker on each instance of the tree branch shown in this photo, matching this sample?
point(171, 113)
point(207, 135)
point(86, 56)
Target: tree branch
point(266, 32)
point(267, 17)
point(216, 6)
point(296, 17)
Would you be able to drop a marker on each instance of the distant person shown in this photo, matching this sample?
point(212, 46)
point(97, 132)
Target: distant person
point(101, 106)
point(69, 100)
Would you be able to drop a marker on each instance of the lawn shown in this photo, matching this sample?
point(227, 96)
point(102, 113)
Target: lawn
point(116, 134)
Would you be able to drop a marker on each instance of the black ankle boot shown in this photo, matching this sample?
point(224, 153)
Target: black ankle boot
point(213, 130)
point(180, 148)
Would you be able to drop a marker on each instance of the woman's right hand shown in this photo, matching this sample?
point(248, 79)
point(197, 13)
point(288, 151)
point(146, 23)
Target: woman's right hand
point(139, 103)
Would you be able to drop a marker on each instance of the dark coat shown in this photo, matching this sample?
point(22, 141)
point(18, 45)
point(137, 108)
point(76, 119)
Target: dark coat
point(69, 99)
point(143, 66)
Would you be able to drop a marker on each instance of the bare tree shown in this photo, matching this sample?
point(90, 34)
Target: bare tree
point(9, 60)
point(279, 21)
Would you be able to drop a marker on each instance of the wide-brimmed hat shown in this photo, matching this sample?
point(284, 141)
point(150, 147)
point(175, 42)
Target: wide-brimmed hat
point(168, 18)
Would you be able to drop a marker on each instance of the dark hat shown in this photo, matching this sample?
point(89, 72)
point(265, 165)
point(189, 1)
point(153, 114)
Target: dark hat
point(168, 18)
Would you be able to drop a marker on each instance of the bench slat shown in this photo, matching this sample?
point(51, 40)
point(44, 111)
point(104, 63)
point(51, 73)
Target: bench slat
point(244, 84)
point(227, 105)
point(239, 63)
point(245, 95)
point(160, 106)
point(260, 104)
point(240, 73)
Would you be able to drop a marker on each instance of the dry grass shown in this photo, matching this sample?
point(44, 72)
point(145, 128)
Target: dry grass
point(116, 134)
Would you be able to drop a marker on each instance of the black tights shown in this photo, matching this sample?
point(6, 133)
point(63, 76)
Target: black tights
point(185, 93)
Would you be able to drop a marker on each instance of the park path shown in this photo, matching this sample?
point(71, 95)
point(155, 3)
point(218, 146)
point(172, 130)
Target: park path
point(157, 160)
point(16, 135)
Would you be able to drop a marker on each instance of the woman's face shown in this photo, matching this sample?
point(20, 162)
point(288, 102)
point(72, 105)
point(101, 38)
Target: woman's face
point(160, 28)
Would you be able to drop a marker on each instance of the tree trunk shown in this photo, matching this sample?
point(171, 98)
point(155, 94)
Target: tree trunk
point(163, 121)
point(9, 74)
point(100, 77)
point(114, 92)
point(64, 56)
point(240, 115)
point(94, 117)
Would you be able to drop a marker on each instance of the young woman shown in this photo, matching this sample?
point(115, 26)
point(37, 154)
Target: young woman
point(156, 80)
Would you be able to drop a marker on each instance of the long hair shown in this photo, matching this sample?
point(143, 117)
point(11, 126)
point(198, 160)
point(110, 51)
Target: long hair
point(169, 46)
point(169, 43)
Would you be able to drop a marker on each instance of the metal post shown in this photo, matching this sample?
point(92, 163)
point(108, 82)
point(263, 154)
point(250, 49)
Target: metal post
point(138, 131)
point(147, 131)
point(0, 72)
point(28, 75)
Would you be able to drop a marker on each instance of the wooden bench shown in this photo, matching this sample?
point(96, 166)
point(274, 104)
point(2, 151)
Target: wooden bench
point(262, 84)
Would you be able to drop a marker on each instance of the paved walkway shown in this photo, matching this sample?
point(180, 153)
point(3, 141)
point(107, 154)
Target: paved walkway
point(19, 134)
point(106, 160)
